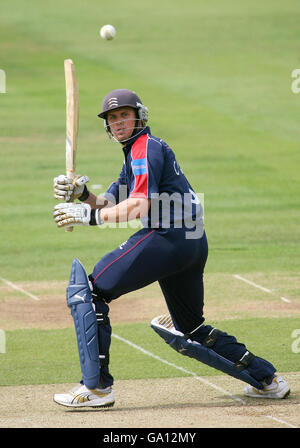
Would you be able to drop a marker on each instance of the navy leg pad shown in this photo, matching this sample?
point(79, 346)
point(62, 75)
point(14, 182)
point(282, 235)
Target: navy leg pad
point(163, 326)
point(79, 300)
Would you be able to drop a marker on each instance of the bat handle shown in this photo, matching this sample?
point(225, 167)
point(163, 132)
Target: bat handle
point(69, 229)
point(70, 176)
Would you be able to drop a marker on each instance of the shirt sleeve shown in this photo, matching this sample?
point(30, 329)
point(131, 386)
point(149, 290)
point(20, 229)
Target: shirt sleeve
point(118, 190)
point(147, 167)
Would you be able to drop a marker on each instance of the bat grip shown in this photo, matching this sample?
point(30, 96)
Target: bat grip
point(70, 176)
point(69, 229)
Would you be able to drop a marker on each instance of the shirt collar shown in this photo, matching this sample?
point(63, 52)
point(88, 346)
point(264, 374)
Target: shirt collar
point(133, 139)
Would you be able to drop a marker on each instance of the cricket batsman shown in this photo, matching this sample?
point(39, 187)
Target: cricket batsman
point(171, 248)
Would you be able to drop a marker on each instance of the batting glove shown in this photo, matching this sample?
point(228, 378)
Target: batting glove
point(68, 215)
point(68, 190)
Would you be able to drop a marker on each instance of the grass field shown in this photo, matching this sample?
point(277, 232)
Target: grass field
point(42, 354)
point(216, 77)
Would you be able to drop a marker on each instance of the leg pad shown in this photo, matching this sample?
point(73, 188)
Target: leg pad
point(164, 327)
point(79, 300)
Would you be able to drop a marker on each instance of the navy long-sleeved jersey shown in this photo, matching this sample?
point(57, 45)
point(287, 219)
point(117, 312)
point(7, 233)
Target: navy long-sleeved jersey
point(150, 170)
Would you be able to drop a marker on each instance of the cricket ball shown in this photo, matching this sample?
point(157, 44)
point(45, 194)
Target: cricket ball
point(108, 32)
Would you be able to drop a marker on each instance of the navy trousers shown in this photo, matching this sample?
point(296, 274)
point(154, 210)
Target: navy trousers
point(177, 263)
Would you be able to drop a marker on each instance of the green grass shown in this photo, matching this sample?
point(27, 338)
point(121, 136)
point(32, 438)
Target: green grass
point(50, 356)
point(216, 78)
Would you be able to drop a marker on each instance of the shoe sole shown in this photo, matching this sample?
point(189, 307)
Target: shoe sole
point(270, 397)
point(108, 405)
point(287, 394)
point(84, 405)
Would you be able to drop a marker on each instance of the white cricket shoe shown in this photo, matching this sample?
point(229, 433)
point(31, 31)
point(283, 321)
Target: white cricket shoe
point(81, 396)
point(278, 388)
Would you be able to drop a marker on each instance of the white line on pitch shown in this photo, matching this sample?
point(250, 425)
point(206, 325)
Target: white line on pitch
point(284, 299)
point(18, 288)
point(202, 380)
point(239, 277)
point(279, 420)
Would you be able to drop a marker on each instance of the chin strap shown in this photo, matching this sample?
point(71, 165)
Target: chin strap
point(133, 135)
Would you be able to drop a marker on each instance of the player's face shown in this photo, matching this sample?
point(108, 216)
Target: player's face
point(122, 122)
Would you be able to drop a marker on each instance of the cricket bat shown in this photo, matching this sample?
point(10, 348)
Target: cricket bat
point(72, 115)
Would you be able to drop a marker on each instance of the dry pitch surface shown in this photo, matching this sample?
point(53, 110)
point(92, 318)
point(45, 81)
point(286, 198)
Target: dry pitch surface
point(190, 402)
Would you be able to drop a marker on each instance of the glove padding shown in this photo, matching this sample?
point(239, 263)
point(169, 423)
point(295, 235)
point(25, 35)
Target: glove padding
point(68, 215)
point(69, 190)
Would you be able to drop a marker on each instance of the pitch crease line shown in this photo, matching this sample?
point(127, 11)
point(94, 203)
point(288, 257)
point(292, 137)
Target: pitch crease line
point(239, 277)
point(158, 358)
point(279, 420)
point(18, 288)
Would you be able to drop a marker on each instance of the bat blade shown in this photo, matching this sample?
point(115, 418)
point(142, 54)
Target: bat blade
point(72, 118)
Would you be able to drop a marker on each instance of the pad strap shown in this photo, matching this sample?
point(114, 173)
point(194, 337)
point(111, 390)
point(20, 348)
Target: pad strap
point(104, 360)
point(189, 335)
point(211, 338)
point(102, 319)
point(244, 362)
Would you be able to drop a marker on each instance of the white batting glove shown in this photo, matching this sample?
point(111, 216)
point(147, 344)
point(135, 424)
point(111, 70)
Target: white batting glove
point(68, 190)
point(70, 214)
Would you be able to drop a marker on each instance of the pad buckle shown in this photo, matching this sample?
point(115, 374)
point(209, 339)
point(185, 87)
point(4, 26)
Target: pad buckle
point(211, 338)
point(244, 362)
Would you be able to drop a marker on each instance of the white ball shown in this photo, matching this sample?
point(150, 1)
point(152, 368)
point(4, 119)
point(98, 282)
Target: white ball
point(108, 32)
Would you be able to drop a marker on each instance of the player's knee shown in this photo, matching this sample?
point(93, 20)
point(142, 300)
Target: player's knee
point(107, 290)
point(105, 287)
